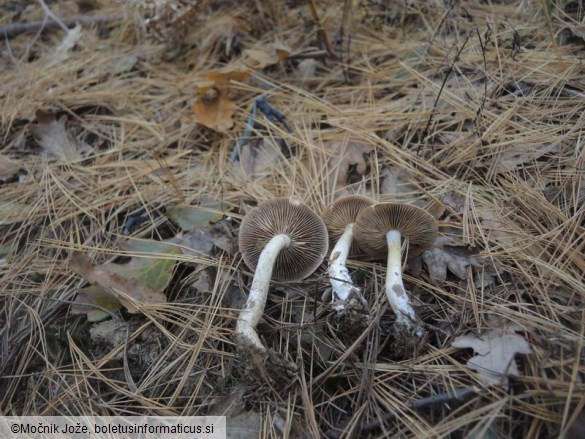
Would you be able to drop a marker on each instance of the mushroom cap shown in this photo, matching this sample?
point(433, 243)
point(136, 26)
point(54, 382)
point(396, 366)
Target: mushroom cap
point(372, 224)
point(342, 212)
point(288, 216)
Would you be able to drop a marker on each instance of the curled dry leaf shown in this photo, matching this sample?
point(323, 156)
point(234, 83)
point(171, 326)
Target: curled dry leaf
point(495, 350)
point(447, 253)
point(214, 109)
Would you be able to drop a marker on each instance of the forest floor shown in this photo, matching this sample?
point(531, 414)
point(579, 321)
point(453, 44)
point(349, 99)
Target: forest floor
point(136, 136)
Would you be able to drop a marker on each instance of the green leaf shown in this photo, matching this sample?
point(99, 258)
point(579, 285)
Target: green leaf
point(190, 217)
point(95, 295)
point(155, 269)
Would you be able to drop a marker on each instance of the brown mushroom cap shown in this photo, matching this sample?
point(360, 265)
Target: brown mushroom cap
point(342, 212)
point(306, 230)
point(374, 222)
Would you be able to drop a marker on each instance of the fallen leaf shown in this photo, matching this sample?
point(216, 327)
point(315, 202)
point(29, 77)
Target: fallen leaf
point(448, 253)
point(518, 154)
point(262, 57)
point(62, 52)
point(257, 156)
point(56, 141)
point(347, 159)
point(398, 183)
point(499, 227)
point(486, 277)
point(197, 242)
point(495, 350)
point(141, 280)
point(224, 238)
point(154, 270)
point(214, 109)
point(400, 187)
point(190, 217)
point(454, 200)
point(201, 241)
point(95, 301)
point(203, 281)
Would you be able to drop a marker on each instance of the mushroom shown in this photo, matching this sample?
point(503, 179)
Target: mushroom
point(379, 230)
point(280, 239)
point(339, 218)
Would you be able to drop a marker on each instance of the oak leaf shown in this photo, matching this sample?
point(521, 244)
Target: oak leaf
point(495, 350)
point(214, 109)
point(447, 253)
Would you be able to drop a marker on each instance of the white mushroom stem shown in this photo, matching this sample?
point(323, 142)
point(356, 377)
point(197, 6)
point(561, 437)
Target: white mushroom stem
point(344, 291)
point(254, 308)
point(397, 296)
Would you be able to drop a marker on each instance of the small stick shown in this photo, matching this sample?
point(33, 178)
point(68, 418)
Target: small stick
point(271, 113)
point(315, 15)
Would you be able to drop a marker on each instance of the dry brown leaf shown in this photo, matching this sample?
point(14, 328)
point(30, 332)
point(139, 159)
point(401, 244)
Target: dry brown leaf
point(486, 277)
point(447, 253)
point(498, 227)
point(397, 182)
point(398, 186)
point(214, 109)
point(56, 141)
point(520, 153)
point(197, 242)
point(204, 281)
point(201, 241)
point(495, 351)
point(266, 56)
point(128, 291)
point(257, 157)
point(346, 157)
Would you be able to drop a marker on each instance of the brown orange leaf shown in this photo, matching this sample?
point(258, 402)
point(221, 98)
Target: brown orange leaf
point(214, 109)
